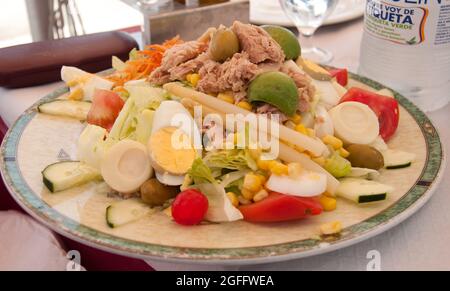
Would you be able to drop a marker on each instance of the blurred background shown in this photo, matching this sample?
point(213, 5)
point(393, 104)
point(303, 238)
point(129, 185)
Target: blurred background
point(96, 16)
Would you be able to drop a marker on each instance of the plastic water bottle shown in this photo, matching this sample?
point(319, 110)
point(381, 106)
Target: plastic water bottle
point(406, 46)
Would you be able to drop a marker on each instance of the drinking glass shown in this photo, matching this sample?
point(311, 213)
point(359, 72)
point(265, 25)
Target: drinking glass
point(308, 16)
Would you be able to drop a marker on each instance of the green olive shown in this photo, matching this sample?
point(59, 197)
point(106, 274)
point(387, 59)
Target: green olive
point(364, 156)
point(154, 193)
point(224, 45)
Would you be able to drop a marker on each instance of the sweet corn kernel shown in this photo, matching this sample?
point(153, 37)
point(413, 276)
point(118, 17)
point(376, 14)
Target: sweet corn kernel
point(295, 170)
point(264, 164)
point(311, 132)
point(262, 179)
point(319, 160)
point(333, 141)
point(302, 129)
point(262, 194)
point(328, 203)
point(243, 200)
point(72, 83)
point(252, 182)
point(245, 105)
point(297, 118)
point(278, 168)
point(76, 94)
point(331, 228)
point(344, 153)
point(193, 79)
point(225, 97)
point(233, 199)
point(299, 149)
point(247, 194)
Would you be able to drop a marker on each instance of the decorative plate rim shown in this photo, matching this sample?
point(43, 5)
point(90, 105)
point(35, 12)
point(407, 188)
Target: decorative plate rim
point(416, 197)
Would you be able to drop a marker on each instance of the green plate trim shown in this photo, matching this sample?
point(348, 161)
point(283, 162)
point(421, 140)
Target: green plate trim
point(38, 208)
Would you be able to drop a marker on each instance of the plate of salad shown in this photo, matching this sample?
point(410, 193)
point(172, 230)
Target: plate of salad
point(143, 160)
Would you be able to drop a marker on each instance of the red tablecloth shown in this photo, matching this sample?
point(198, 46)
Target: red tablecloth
point(91, 258)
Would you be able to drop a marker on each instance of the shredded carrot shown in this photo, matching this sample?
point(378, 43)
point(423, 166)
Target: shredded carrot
point(149, 59)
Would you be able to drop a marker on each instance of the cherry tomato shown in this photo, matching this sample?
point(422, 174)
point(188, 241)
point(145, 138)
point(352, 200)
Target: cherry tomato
point(279, 207)
point(106, 106)
point(386, 108)
point(341, 76)
point(189, 207)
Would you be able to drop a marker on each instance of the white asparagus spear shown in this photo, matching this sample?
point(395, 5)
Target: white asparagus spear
point(314, 146)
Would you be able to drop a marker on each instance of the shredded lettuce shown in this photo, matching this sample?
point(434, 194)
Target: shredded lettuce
point(201, 173)
point(133, 120)
point(92, 145)
point(338, 166)
point(235, 159)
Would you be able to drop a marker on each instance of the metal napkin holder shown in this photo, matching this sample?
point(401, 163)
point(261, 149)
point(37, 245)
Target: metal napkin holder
point(190, 22)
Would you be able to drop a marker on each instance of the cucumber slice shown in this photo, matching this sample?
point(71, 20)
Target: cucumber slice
point(364, 173)
point(394, 159)
point(64, 175)
point(126, 211)
point(362, 191)
point(69, 108)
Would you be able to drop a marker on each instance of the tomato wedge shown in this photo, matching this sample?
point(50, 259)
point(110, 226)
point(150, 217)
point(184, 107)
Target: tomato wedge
point(341, 76)
point(280, 207)
point(106, 106)
point(386, 108)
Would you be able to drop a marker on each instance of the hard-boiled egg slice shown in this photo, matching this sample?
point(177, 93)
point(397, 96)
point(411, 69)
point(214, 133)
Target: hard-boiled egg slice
point(172, 162)
point(307, 184)
point(323, 124)
point(126, 166)
point(355, 122)
point(327, 93)
point(88, 82)
point(168, 179)
point(171, 151)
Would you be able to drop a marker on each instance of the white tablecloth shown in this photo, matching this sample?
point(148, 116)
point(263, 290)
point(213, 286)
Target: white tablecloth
point(421, 242)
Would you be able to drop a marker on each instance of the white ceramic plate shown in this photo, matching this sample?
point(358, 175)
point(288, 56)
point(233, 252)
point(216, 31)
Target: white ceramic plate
point(36, 140)
point(270, 12)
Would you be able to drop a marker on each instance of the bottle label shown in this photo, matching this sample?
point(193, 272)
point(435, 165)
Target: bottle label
point(409, 22)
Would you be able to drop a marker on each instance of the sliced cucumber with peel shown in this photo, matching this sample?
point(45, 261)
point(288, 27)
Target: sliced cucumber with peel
point(69, 108)
point(394, 159)
point(362, 191)
point(126, 211)
point(64, 175)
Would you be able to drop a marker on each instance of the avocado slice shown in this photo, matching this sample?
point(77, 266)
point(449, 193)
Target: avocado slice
point(286, 39)
point(277, 89)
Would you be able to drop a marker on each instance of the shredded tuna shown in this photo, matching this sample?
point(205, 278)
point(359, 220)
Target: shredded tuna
point(175, 56)
point(179, 72)
point(259, 45)
point(270, 110)
point(233, 75)
point(305, 87)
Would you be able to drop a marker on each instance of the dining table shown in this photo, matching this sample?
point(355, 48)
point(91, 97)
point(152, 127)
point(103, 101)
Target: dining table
point(418, 243)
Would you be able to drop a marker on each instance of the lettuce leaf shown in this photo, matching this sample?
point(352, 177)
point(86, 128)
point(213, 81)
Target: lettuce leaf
point(201, 173)
point(236, 159)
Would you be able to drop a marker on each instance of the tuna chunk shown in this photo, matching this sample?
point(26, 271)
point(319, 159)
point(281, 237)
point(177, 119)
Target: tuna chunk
point(181, 53)
point(259, 45)
point(176, 55)
point(306, 89)
point(179, 72)
point(233, 75)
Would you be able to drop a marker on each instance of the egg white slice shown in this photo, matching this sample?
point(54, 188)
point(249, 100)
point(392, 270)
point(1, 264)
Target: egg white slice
point(307, 184)
point(172, 113)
